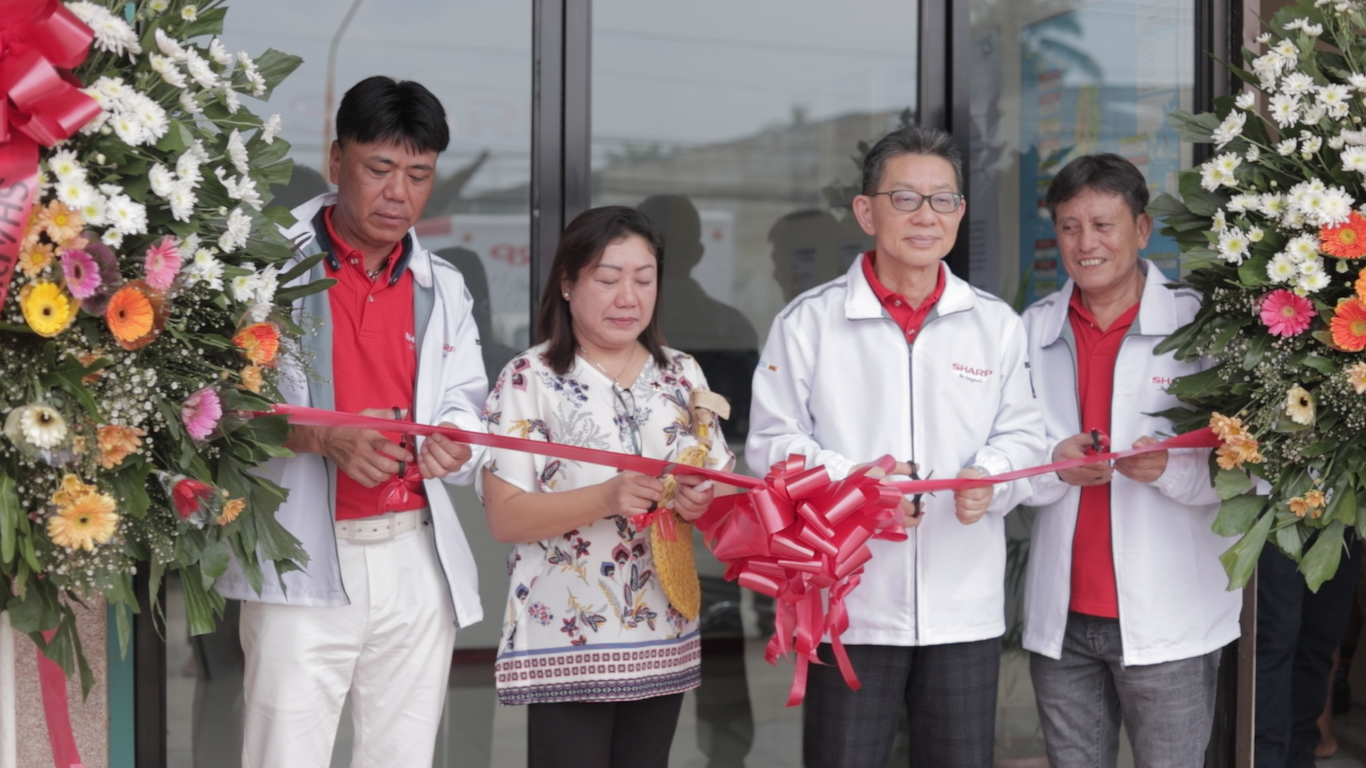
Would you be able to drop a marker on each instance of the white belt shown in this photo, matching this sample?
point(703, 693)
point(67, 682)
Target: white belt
point(381, 527)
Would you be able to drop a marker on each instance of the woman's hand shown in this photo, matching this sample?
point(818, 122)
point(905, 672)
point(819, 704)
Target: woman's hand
point(631, 493)
point(693, 496)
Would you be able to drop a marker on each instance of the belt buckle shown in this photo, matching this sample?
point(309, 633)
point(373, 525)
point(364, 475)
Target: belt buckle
point(382, 532)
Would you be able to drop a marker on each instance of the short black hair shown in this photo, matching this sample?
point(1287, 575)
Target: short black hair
point(382, 109)
point(1102, 172)
point(913, 139)
point(581, 247)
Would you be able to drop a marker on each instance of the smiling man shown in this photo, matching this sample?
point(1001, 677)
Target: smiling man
point(900, 357)
point(1125, 607)
point(373, 616)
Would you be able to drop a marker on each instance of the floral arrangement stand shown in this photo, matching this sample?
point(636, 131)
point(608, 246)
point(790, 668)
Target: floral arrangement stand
point(1272, 233)
point(144, 303)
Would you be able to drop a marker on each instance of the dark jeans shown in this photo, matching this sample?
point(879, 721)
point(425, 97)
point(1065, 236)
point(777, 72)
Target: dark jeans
point(602, 734)
point(950, 696)
point(1297, 631)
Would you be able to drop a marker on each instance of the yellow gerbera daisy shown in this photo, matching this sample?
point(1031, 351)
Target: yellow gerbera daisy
point(90, 520)
point(47, 308)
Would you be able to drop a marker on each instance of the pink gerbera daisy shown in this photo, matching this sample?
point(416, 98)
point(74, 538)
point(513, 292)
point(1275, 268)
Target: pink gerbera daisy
point(82, 273)
point(1286, 314)
point(163, 263)
point(201, 413)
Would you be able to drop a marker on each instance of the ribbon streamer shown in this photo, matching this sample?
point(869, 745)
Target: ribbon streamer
point(795, 535)
point(38, 105)
point(52, 681)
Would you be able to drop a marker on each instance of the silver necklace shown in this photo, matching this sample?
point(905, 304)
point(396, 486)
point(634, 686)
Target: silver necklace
point(615, 379)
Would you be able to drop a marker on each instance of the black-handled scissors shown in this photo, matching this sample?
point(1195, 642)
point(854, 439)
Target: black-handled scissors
point(915, 475)
point(1096, 445)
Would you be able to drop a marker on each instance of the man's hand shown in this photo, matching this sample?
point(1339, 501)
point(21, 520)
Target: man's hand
point(441, 455)
point(1145, 467)
point(1075, 447)
point(364, 455)
point(972, 503)
point(910, 516)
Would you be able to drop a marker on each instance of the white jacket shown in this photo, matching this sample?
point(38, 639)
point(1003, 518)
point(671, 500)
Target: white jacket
point(839, 385)
point(451, 386)
point(1173, 602)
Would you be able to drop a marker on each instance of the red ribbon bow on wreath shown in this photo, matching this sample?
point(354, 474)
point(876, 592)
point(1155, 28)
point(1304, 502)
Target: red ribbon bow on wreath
point(39, 104)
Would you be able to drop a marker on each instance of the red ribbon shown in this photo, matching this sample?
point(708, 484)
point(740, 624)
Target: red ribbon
point(794, 536)
point(38, 105)
point(399, 491)
point(52, 681)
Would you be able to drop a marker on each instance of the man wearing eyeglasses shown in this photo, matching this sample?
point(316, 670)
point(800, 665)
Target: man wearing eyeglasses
point(901, 357)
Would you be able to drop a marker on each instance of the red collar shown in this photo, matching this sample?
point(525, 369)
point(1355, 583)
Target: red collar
point(910, 319)
point(348, 255)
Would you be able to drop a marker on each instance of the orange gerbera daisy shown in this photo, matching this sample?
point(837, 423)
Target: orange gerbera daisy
point(259, 341)
point(251, 378)
point(35, 257)
point(1349, 325)
point(231, 510)
point(87, 521)
point(60, 223)
point(116, 442)
point(1360, 285)
point(136, 314)
point(1347, 240)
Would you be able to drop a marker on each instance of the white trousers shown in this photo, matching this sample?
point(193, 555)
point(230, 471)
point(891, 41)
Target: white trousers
point(389, 650)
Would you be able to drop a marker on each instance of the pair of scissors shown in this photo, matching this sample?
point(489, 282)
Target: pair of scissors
point(667, 469)
point(1096, 445)
point(915, 475)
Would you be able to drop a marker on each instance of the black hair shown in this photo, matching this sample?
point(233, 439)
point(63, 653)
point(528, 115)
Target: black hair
point(913, 139)
point(1101, 172)
point(382, 109)
point(580, 248)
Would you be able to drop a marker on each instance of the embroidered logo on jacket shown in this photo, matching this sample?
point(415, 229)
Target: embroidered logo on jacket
point(969, 373)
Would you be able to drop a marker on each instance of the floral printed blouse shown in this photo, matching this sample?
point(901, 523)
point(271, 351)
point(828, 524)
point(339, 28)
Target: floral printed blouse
point(586, 618)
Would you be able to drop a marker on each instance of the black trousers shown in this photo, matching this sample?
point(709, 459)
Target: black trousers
point(607, 734)
point(1297, 631)
point(950, 696)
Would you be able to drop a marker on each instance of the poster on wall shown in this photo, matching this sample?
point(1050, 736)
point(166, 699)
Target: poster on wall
point(1102, 78)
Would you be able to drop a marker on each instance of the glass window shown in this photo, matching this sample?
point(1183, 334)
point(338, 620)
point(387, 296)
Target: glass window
point(476, 58)
point(732, 125)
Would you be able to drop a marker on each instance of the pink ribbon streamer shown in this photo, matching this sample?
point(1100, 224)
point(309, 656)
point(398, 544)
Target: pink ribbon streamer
point(794, 535)
point(56, 710)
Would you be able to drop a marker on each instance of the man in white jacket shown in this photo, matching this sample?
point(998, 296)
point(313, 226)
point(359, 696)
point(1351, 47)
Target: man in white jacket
point(900, 357)
point(373, 616)
point(1126, 610)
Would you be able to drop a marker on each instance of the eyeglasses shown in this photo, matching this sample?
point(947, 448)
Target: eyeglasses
point(627, 422)
point(908, 201)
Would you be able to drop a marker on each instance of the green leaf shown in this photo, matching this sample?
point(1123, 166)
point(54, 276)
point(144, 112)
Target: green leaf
point(1197, 198)
point(9, 517)
point(1321, 364)
point(208, 22)
point(1344, 505)
point(1237, 514)
point(1253, 271)
point(1256, 351)
point(1241, 558)
point(1321, 562)
point(276, 66)
point(286, 295)
point(1197, 384)
point(1166, 205)
point(214, 561)
point(202, 603)
point(1194, 128)
point(301, 268)
point(37, 610)
point(1229, 483)
point(130, 488)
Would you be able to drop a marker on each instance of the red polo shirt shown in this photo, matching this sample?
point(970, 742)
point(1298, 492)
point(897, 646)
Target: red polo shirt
point(910, 319)
point(374, 355)
point(1093, 559)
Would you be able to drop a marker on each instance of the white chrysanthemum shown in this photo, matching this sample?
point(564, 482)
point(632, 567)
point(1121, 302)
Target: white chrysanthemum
point(1253, 154)
point(1336, 142)
point(238, 230)
point(94, 211)
point(75, 193)
point(165, 66)
point(243, 287)
point(187, 167)
point(219, 53)
point(231, 101)
point(200, 152)
point(270, 128)
point(182, 200)
point(1313, 115)
point(267, 282)
point(169, 45)
point(1294, 24)
point(1264, 38)
point(1233, 245)
point(1255, 235)
point(205, 268)
point(1230, 129)
point(237, 152)
point(1302, 248)
point(246, 192)
point(126, 216)
point(1294, 220)
point(1357, 80)
point(1287, 50)
point(1245, 100)
point(158, 6)
point(1309, 145)
point(1354, 159)
point(189, 103)
point(129, 129)
point(1312, 266)
point(1354, 138)
point(150, 114)
point(1211, 178)
point(1219, 220)
point(1312, 283)
point(1336, 207)
point(1242, 202)
point(1268, 67)
point(1296, 83)
point(112, 34)
point(200, 69)
point(162, 180)
point(1313, 30)
point(65, 167)
point(1335, 98)
point(189, 13)
point(1282, 268)
point(109, 92)
point(1285, 110)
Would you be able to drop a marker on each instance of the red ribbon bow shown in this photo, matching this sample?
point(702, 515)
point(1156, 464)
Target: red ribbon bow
point(796, 535)
point(39, 104)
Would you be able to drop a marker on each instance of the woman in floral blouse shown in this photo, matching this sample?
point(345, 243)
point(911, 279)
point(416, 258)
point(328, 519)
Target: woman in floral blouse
point(590, 641)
